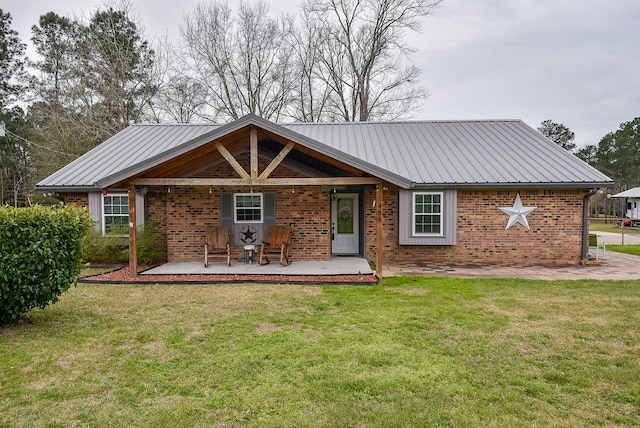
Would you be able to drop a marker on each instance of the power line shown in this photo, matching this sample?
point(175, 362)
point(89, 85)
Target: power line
point(35, 144)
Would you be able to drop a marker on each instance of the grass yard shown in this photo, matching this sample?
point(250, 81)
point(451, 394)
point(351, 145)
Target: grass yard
point(628, 249)
point(600, 226)
point(407, 352)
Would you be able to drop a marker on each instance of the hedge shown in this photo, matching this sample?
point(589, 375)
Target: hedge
point(40, 256)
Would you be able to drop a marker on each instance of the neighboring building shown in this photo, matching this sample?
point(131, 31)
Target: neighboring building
point(632, 209)
point(426, 190)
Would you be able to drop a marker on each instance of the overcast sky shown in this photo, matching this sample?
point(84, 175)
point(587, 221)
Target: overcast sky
point(576, 62)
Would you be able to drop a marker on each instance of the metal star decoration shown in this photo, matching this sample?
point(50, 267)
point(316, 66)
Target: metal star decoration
point(517, 213)
point(248, 235)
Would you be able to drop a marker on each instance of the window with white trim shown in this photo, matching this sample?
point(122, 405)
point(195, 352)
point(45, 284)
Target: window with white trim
point(427, 213)
point(247, 207)
point(115, 212)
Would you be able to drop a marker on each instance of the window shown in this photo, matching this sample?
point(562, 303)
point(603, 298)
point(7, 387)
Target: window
point(427, 213)
point(438, 227)
point(115, 213)
point(247, 207)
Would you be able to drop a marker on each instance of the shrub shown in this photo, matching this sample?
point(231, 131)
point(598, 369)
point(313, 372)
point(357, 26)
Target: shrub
point(114, 246)
point(110, 248)
point(147, 238)
point(40, 256)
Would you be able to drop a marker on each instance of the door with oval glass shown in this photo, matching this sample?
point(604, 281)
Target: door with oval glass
point(345, 224)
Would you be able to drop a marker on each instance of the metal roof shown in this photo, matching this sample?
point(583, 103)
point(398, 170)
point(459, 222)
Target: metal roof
point(631, 193)
point(480, 153)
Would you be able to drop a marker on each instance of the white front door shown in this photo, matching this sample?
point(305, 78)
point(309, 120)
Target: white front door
point(345, 224)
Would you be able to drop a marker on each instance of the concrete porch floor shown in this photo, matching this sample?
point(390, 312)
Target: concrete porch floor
point(335, 266)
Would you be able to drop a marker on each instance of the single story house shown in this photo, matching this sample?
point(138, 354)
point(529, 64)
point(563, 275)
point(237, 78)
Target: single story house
point(493, 191)
point(631, 212)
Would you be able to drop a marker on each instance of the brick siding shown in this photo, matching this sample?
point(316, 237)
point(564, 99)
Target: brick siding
point(79, 199)
point(187, 211)
point(555, 235)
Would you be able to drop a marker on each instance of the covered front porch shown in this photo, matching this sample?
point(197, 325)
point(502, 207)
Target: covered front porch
point(291, 182)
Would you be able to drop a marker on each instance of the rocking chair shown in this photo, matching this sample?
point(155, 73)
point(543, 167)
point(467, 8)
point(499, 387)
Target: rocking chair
point(279, 238)
point(217, 244)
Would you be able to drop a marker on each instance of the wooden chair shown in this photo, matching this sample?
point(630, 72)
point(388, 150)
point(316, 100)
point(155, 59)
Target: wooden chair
point(279, 239)
point(217, 244)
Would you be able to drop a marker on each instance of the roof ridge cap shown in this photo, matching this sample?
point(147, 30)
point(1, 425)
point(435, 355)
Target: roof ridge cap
point(401, 122)
point(175, 124)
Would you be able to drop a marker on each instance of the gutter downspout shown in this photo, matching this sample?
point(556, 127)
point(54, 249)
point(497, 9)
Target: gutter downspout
point(585, 224)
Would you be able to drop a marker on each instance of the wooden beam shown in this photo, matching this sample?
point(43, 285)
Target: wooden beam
point(133, 239)
point(253, 146)
point(185, 181)
point(277, 160)
point(232, 161)
point(379, 229)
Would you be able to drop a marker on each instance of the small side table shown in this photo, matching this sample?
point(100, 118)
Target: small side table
point(249, 251)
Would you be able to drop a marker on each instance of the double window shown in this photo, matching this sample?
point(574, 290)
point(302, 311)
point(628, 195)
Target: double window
point(115, 213)
point(247, 207)
point(427, 213)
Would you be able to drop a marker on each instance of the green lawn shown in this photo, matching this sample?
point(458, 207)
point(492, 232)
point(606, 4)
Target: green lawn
point(408, 352)
point(628, 249)
point(600, 226)
point(596, 226)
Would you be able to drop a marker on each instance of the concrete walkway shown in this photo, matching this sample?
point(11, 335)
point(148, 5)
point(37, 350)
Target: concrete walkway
point(616, 238)
point(614, 266)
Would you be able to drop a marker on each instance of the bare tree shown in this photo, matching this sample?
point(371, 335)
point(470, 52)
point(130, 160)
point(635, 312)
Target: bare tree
point(16, 168)
point(180, 98)
point(363, 52)
point(311, 93)
point(241, 60)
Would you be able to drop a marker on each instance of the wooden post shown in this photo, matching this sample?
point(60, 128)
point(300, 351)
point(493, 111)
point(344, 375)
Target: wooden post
point(379, 230)
point(253, 146)
point(133, 239)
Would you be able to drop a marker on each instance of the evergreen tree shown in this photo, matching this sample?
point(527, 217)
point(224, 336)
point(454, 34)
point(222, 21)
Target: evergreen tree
point(94, 79)
point(559, 134)
point(11, 62)
point(618, 155)
point(15, 165)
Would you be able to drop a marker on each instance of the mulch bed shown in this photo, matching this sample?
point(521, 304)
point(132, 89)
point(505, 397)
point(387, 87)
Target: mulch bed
point(121, 276)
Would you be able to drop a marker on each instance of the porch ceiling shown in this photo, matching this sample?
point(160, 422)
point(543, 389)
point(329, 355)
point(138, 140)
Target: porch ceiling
point(176, 170)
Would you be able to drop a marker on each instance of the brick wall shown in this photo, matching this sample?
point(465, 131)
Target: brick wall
point(189, 210)
point(185, 213)
point(555, 235)
point(156, 207)
point(79, 199)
